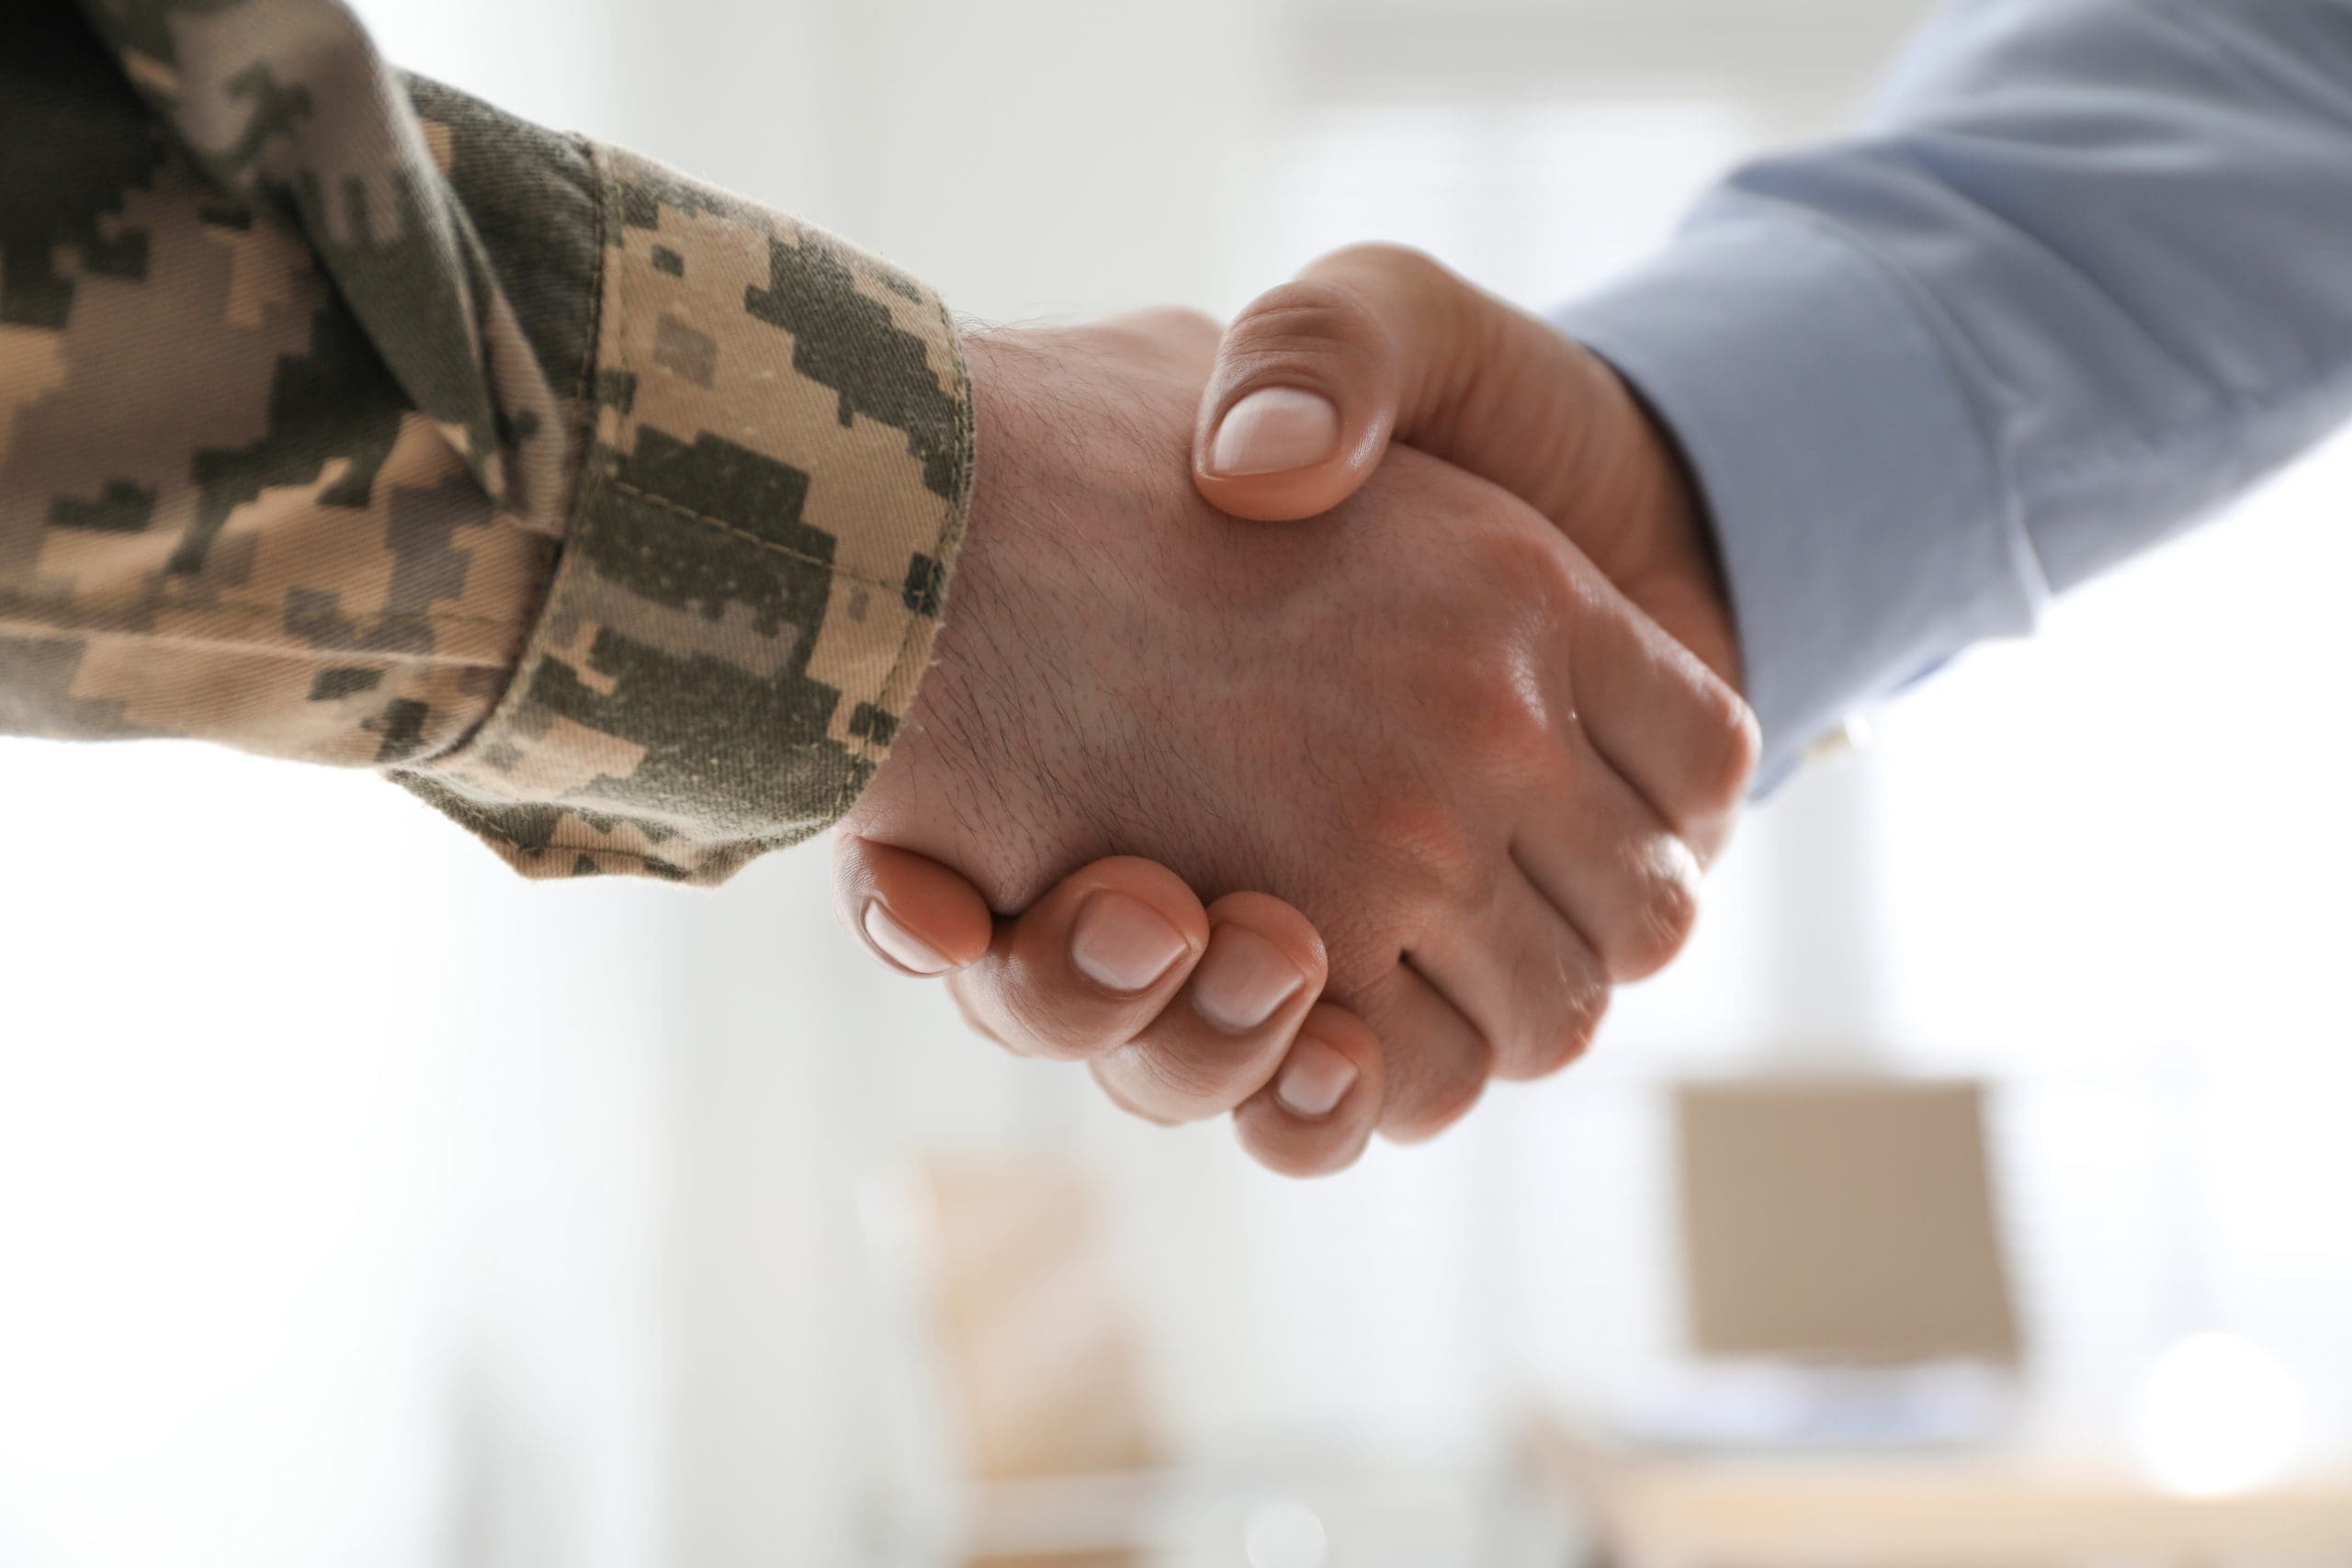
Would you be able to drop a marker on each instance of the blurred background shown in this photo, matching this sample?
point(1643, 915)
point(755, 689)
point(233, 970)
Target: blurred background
point(361, 1203)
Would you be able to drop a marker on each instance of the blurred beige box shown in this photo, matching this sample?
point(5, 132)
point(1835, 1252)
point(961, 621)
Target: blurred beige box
point(1842, 1220)
point(1850, 1224)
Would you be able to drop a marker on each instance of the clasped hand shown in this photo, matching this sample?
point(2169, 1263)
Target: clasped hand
point(1325, 718)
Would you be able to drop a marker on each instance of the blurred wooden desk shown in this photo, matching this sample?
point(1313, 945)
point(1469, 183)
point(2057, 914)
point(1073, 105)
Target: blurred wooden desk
point(1656, 1510)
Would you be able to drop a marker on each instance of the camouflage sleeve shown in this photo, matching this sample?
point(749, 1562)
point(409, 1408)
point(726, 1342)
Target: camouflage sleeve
point(344, 418)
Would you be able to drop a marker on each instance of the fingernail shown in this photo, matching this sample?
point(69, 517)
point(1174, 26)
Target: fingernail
point(1314, 1079)
point(1122, 946)
point(903, 947)
point(1273, 429)
point(1242, 979)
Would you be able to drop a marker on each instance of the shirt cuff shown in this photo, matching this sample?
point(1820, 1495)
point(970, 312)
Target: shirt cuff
point(753, 573)
point(1865, 530)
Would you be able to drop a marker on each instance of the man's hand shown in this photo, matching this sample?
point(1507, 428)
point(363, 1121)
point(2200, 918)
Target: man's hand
point(1426, 720)
point(1378, 343)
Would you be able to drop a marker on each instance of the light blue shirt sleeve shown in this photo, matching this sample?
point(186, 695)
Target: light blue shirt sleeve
point(2084, 275)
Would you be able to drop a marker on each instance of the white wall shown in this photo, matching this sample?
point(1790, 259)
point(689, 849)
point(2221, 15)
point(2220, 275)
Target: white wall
point(328, 1176)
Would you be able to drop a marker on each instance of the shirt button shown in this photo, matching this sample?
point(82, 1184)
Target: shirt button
point(1852, 734)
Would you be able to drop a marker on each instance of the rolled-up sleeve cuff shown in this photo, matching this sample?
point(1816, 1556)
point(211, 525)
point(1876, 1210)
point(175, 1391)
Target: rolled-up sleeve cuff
point(755, 568)
point(1864, 527)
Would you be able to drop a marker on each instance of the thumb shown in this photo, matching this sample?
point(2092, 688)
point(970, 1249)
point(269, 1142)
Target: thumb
point(1379, 342)
point(917, 915)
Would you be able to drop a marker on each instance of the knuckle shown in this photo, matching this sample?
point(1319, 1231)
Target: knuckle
point(1673, 914)
point(1118, 1089)
point(1487, 695)
point(1299, 1152)
point(1417, 839)
point(1438, 301)
point(1736, 745)
point(1441, 1104)
point(1528, 571)
point(1193, 1082)
point(1408, 263)
point(1582, 1026)
point(1037, 1019)
point(1321, 1158)
point(1426, 855)
point(1666, 912)
point(966, 989)
point(1574, 1028)
point(1302, 316)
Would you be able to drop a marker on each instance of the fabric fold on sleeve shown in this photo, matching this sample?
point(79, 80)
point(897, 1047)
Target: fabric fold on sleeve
point(347, 419)
point(755, 568)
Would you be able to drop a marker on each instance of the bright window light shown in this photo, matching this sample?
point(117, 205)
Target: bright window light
point(2219, 1414)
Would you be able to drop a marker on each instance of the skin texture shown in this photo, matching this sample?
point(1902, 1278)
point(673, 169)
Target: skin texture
point(1409, 352)
point(1466, 768)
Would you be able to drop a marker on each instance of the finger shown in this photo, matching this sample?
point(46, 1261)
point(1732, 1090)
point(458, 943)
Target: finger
point(1437, 1062)
point(1374, 343)
point(1319, 1111)
point(918, 915)
point(1614, 872)
point(1089, 964)
point(1672, 727)
point(1522, 976)
point(1220, 1039)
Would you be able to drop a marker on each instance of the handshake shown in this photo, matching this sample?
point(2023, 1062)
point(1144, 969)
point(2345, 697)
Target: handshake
point(1325, 715)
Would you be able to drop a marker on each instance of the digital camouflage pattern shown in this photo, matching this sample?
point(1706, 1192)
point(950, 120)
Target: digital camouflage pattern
point(345, 418)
